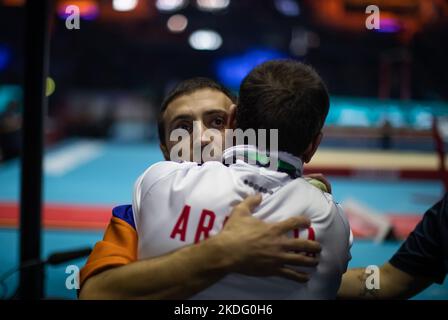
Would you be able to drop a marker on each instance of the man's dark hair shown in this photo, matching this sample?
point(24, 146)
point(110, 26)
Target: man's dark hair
point(186, 87)
point(286, 95)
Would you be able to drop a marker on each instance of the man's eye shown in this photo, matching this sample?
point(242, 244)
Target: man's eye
point(185, 126)
point(218, 122)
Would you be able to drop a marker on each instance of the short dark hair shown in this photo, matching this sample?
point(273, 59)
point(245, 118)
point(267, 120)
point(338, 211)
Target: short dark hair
point(286, 95)
point(186, 87)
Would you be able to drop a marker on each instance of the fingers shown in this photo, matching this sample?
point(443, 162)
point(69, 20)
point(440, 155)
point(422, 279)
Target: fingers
point(299, 260)
point(302, 245)
point(291, 224)
point(248, 205)
point(293, 275)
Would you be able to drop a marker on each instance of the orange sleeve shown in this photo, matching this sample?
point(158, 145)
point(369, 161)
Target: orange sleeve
point(118, 247)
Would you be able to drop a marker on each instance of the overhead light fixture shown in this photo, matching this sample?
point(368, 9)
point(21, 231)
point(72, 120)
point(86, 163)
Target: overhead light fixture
point(205, 40)
point(177, 23)
point(170, 5)
point(212, 5)
point(124, 5)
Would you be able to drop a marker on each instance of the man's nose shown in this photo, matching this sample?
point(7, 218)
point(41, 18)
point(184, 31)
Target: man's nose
point(202, 134)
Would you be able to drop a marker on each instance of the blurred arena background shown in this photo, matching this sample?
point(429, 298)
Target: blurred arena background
point(385, 136)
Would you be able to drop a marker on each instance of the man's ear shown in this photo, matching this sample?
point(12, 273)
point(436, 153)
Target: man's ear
point(311, 150)
point(231, 123)
point(165, 152)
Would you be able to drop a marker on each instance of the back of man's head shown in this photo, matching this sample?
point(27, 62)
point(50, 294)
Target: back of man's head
point(286, 95)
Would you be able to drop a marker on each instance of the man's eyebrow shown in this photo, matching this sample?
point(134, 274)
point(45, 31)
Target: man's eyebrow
point(181, 117)
point(190, 117)
point(210, 112)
